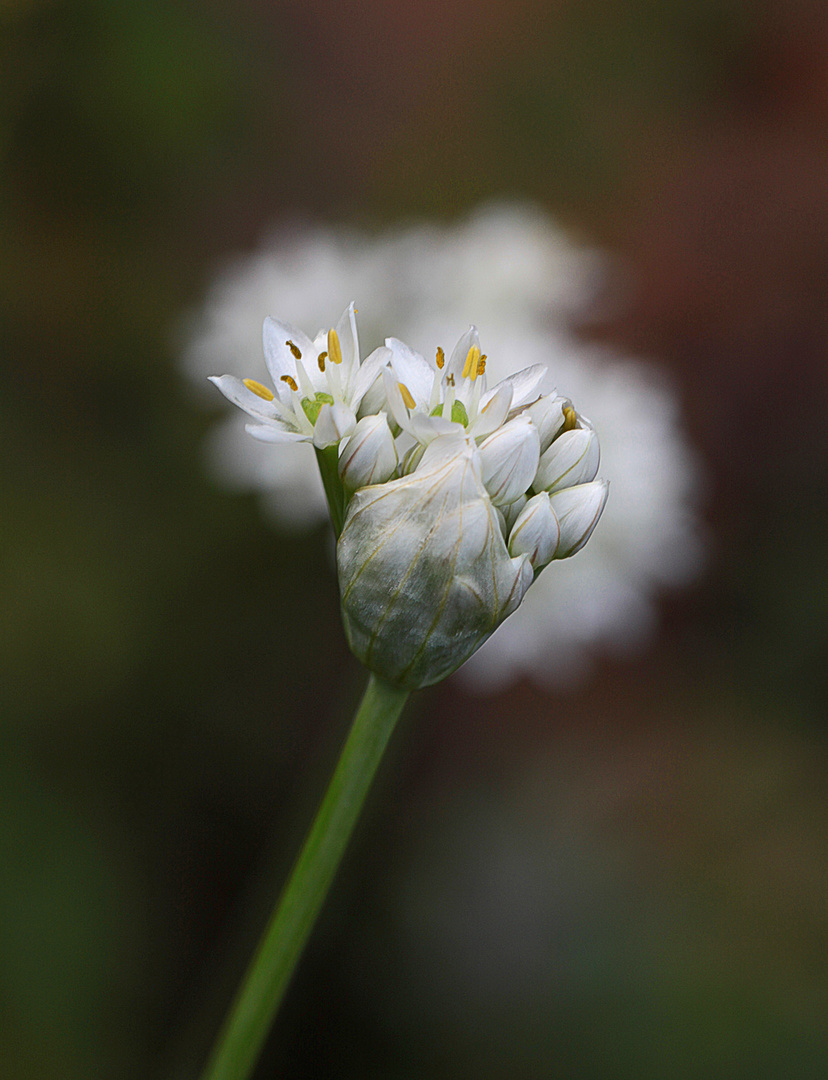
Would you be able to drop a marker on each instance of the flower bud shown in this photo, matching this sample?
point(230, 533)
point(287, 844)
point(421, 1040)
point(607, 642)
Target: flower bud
point(571, 459)
point(577, 510)
point(370, 455)
point(510, 512)
point(424, 574)
point(509, 460)
point(536, 532)
point(548, 417)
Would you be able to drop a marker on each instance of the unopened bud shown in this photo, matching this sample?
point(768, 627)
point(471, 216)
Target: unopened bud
point(577, 510)
point(509, 460)
point(536, 532)
point(571, 459)
point(548, 417)
point(370, 455)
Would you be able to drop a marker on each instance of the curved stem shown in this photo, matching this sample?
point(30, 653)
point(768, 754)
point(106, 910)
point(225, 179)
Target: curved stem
point(239, 1043)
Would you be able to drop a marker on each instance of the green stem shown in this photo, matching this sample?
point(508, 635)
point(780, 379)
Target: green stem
point(328, 460)
point(239, 1044)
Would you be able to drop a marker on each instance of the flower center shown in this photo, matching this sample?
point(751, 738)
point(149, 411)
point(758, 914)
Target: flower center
point(313, 406)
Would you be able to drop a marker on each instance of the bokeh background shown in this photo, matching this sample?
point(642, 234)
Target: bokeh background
point(625, 879)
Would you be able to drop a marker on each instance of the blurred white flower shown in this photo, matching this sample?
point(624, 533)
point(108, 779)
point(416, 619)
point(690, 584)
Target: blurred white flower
point(510, 270)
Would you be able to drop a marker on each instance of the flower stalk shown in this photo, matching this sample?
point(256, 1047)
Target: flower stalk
point(447, 500)
point(248, 1023)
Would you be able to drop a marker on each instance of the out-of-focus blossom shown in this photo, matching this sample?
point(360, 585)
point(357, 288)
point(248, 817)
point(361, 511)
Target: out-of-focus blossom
point(511, 270)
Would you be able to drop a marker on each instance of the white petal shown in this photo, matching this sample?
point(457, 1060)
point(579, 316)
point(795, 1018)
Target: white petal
point(235, 390)
point(412, 369)
point(278, 356)
point(547, 416)
point(332, 425)
point(525, 383)
point(395, 401)
point(374, 400)
point(348, 340)
point(273, 434)
point(427, 428)
point(494, 409)
point(457, 360)
point(366, 375)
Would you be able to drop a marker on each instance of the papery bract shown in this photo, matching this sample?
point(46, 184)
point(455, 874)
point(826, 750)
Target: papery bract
point(424, 574)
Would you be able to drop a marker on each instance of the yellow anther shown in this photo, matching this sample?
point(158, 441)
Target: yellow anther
point(472, 363)
point(334, 348)
point(294, 349)
point(290, 381)
point(481, 367)
point(321, 360)
point(441, 358)
point(406, 396)
point(259, 390)
point(570, 419)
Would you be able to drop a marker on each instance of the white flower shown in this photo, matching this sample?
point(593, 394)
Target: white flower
point(424, 574)
point(318, 385)
point(510, 268)
point(426, 399)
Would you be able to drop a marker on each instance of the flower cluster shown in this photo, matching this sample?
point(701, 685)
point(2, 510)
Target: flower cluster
point(456, 494)
point(523, 277)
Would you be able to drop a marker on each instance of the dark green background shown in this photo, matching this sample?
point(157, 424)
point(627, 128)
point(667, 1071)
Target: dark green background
point(175, 684)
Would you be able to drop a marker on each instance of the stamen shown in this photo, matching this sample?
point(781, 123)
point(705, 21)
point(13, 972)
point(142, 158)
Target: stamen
point(294, 349)
point(334, 348)
point(290, 381)
point(481, 367)
point(472, 362)
point(449, 380)
point(441, 358)
point(259, 390)
point(406, 396)
point(321, 360)
point(570, 419)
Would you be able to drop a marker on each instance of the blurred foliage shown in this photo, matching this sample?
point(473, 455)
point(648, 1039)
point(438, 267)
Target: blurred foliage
point(172, 689)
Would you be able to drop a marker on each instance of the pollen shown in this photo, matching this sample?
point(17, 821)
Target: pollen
point(481, 367)
point(321, 360)
point(570, 419)
point(294, 349)
point(406, 396)
point(259, 390)
point(290, 381)
point(334, 348)
point(441, 358)
point(472, 364)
